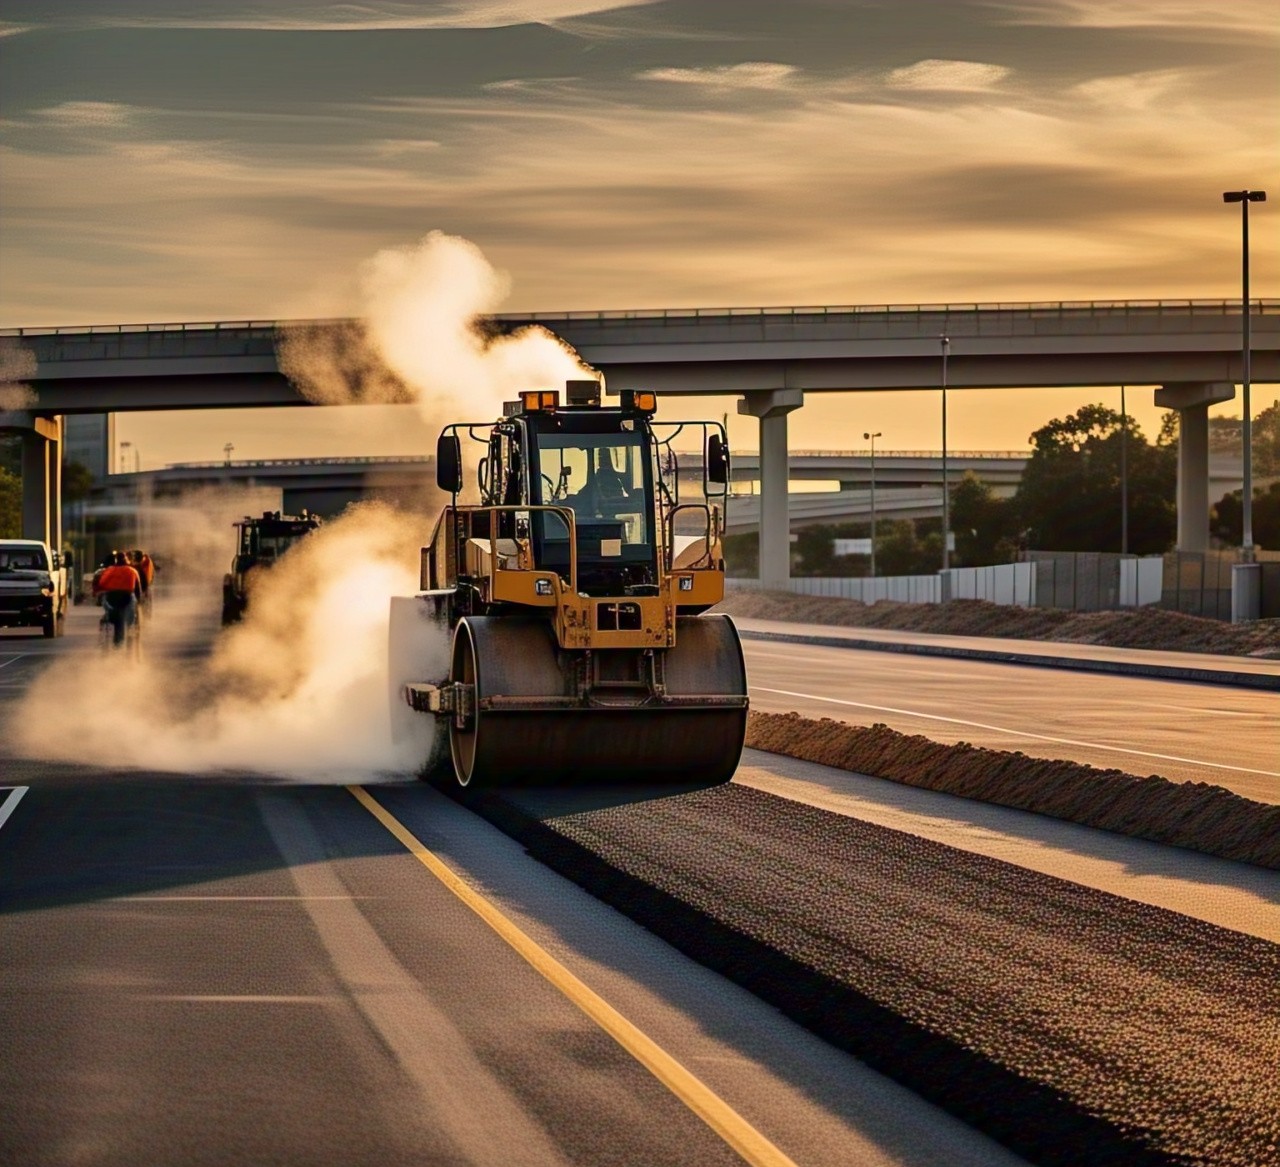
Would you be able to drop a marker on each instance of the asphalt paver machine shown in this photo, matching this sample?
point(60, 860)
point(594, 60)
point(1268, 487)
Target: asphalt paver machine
point(574, 596)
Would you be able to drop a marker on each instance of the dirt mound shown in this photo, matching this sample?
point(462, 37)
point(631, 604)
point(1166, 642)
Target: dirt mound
point(1195, 815)
point(1154, 628)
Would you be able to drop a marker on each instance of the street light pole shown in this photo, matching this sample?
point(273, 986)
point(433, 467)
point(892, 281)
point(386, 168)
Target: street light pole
point(946, 496)
point(1244, 198)
point(1124, 476)
point(227, 451)
point(873, 437)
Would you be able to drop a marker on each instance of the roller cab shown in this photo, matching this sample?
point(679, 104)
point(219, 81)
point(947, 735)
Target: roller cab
point(573, 592)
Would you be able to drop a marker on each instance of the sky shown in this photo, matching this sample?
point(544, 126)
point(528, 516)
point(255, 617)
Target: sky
point(167, 160)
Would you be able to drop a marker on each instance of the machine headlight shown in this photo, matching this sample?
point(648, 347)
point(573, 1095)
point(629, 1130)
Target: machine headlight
point(542, 587)
point(686, 583)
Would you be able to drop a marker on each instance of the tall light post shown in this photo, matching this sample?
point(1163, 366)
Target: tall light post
point(946, 494)
point(872, 438)
point(1244, 198)
point(124, 469)
point(1124, 476)
point(227, 451)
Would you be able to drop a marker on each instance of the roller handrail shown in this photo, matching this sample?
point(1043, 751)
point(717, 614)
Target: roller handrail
point(670, 530)
point(566, 513)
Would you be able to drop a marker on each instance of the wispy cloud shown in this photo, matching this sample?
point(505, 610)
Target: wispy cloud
point(85, 115)
point(338, 17)
point(747, 75)
point(1240, 16)
point(954, 76)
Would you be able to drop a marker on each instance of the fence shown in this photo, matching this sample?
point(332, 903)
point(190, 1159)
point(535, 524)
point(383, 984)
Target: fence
point(1199, 582)
point(907, 589)
point(1096, 581)
point(1192, 582)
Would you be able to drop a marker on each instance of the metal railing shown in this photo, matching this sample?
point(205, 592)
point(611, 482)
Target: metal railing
point(1264, 306)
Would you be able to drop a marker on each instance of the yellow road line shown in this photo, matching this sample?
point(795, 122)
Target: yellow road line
point(717, 1114)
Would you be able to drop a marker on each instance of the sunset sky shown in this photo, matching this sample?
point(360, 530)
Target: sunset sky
point(180, 160)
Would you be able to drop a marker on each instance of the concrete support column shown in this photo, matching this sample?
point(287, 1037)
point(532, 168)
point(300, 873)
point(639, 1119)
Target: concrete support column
point(41, 474)
point(1192, 402)
point(771, 406)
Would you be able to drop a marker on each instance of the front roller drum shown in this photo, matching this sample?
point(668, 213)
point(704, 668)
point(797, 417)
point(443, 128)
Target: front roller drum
point(527, 723)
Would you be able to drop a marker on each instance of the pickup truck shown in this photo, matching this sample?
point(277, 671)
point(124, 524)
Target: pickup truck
point(33, 586)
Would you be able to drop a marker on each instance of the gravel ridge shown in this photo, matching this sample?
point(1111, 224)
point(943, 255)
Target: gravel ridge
point(1196, 815)
point(1072, 1025)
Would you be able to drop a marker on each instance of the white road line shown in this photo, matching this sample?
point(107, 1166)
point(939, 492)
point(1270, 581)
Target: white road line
point(1063, 741)
point(14, 660)
point(15, 797)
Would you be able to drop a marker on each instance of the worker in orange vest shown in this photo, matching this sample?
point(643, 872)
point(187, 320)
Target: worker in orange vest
point(146, 569)
point(118, 587)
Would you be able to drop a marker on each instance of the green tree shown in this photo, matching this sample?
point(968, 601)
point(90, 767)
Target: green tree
point(1266, 441)
point(10, 505)
point(1226, 519)
point(1069, 498)
point(985, 527)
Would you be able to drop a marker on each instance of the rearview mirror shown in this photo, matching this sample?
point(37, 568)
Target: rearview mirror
point(717, 460)
point(449, 463)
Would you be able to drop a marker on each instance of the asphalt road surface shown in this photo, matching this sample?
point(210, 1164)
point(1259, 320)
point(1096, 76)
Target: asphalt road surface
point(244, 969)
point(1185, 731)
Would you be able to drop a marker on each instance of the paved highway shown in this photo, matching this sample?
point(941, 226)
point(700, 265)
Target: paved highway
point(1184, 731)
point(238, 968)
point(216, 969)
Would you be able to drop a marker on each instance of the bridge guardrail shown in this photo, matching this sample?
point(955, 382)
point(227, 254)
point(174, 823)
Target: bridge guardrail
point(1262, 306)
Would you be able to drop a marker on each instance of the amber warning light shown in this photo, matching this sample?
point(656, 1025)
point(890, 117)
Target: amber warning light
point(539, 399)
point(640, 402)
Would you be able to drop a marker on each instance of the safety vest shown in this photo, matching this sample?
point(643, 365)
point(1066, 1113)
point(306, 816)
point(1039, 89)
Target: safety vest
point(117, 578)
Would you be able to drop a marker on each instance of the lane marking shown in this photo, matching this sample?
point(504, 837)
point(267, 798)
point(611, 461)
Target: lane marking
point(14, 660)
point(748, 1142)
point(1064, 741)
point(10, 803)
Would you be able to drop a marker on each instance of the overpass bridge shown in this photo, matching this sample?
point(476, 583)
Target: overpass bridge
point(769, 357)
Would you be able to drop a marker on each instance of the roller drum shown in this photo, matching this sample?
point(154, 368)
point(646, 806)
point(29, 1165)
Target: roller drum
point(530, 723)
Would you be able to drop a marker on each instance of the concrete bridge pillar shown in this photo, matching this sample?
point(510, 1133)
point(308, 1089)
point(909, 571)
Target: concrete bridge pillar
point(41, 474)
point(1192, 402)
point(771, 406)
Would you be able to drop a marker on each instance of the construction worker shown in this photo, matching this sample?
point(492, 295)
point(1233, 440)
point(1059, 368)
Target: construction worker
point(118, 587)
point(142, 564)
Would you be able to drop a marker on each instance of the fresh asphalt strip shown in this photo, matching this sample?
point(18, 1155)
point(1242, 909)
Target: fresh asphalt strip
point(1265, 681)
point(1072, 1025)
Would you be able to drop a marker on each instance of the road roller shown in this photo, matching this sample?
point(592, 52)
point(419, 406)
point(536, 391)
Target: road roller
point(562, 633)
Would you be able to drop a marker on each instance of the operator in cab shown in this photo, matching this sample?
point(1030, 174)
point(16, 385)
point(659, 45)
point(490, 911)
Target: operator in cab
point(118, 587)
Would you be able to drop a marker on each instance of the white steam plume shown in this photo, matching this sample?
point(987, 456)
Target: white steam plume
point(302, 686)
point(422, 338)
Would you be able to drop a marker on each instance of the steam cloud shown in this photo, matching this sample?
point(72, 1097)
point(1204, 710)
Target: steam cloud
point(425, 338)
point(302, 686)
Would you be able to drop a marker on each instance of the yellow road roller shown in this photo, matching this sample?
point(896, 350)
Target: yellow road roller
point(561, 634)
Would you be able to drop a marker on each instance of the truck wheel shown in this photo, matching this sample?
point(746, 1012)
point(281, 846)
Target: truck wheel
point(49, 625)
